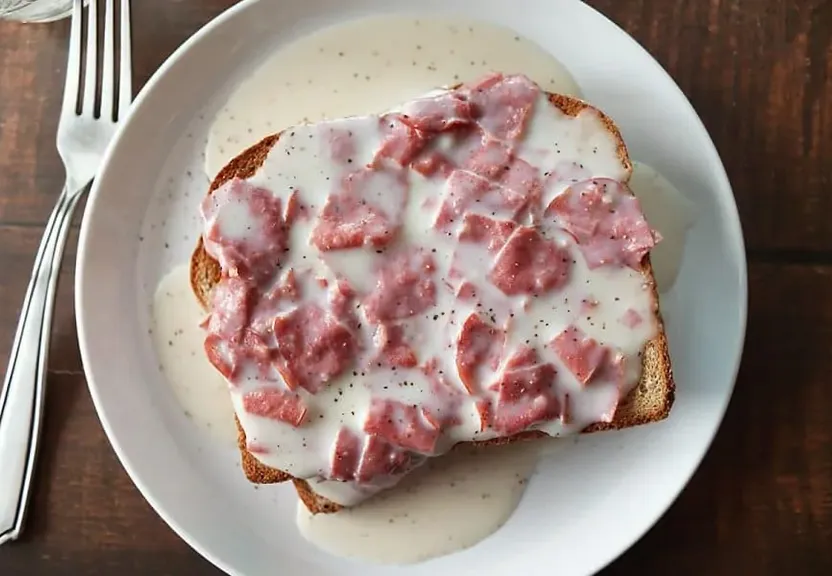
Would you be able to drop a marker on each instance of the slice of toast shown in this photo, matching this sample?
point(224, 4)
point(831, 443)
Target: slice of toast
point(649, 401)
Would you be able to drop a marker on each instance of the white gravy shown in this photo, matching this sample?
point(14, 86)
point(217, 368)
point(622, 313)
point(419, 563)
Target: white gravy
point(368, 66)
point(449, 504)
point(364, 67)
point(667, 211)
point(200, 389)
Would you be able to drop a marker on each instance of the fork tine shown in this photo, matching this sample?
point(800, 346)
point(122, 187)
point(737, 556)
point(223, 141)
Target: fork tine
point(73, 64)
point(90, 74)
point(108, 73)
point(125, 82)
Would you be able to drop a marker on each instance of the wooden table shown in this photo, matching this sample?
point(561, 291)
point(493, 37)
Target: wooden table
point(759, 73)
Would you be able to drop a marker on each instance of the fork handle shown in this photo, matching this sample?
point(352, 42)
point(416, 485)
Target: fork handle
point(21, 401)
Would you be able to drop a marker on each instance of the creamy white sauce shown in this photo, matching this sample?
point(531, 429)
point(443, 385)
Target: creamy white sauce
point(449, 504)
point(668, 211)
point(294, 161)
point(365, 67)
point(368, 66)
point(200, 389)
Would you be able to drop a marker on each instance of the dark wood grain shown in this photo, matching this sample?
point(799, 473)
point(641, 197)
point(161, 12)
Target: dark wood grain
point(759, 72)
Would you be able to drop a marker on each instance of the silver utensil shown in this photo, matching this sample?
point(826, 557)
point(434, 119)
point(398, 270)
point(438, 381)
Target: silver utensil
point(83, 136)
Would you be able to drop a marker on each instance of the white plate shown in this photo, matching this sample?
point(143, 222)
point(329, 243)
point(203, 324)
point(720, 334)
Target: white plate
point(583, 508)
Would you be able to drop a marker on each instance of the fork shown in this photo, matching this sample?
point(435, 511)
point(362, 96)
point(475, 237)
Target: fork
point(83, 136)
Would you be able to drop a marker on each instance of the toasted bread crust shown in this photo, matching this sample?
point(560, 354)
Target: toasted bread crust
point(650, 401)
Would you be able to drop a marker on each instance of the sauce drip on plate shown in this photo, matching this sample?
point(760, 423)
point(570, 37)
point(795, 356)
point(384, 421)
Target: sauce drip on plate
point(448, 505)
point(178, 339)
point(669, 212)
